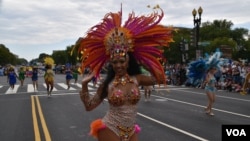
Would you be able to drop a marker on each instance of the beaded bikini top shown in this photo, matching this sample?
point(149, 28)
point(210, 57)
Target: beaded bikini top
point(118, 94)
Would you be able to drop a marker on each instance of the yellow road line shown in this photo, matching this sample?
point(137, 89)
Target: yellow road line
point(35, 124)
point(45, 128)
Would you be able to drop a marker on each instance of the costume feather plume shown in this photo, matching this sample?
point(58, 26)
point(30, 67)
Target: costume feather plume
point(198, 68)
point(49, 61)
point(147, 37)
point(214, 61)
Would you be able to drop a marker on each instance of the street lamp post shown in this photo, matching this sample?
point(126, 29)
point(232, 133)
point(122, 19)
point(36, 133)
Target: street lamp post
point(197, 22)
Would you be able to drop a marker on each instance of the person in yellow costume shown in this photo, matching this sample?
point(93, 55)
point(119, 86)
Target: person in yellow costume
point(49, 75)
point(246, 84)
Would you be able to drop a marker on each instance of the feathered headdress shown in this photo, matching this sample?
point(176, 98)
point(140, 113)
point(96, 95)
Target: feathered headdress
point(140, 35)
point(214, 61)
point(49, 61)
point(198, 68)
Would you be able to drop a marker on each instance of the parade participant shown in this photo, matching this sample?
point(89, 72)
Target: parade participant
point(125, 48)
point(69, 76)
point(11, 78)
point(75, 74)
point(49, 75)
point(210, 88)
point(21, 75)
point(34, 77)
point(213, 64)
point(206, 68)
point(147, 89)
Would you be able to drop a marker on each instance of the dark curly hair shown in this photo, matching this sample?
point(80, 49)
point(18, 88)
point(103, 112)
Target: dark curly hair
point(133, 69)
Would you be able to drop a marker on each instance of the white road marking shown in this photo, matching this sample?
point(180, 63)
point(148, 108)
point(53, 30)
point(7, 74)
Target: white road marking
point(12, 91)
point(172, 127)
point(54, 89)
point(65, 86)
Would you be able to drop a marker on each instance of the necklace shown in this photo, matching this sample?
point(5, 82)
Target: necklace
point(122, 80)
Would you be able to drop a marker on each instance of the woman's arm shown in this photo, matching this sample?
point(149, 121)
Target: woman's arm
point(89, 102)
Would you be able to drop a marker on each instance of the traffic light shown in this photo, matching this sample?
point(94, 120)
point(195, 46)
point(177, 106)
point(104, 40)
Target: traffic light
point(182, 45)
point(192, 37)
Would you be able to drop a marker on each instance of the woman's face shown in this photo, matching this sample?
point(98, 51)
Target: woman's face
point(120, 65)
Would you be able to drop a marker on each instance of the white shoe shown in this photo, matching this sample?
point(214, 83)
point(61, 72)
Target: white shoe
point(211, 114)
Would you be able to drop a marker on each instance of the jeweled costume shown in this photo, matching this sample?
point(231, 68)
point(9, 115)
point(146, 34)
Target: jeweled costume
point(49, 74)
point(121, 116)
point(143, 37)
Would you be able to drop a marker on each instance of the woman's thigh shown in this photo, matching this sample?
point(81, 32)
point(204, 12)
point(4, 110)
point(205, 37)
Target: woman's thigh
point(108, 135)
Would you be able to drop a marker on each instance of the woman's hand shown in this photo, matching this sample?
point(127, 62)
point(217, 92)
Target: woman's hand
point(88, 78)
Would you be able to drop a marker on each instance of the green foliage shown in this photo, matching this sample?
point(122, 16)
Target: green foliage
point(220, 33)
point(220, 41)
point(60, 57)
point(6, 57)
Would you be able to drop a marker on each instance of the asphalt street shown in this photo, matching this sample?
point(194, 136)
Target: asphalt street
point(174, 113)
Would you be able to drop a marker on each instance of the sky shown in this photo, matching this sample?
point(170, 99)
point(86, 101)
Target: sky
point(31, 27)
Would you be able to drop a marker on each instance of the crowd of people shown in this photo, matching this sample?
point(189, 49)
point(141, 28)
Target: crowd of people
point(231, 77)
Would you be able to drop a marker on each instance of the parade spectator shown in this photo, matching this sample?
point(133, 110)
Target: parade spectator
point(243, 73)
point(168, 75)
point(236, 74)
point(182, 74)
point(229, 84)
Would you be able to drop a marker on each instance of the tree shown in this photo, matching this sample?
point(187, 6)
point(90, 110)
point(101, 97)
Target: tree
point(6, 57)
point(42, 56)
point(72, 56)
point(173, 54)
point(60, 57)
point(238, 35)
point(220, 34)
point(219, 28)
